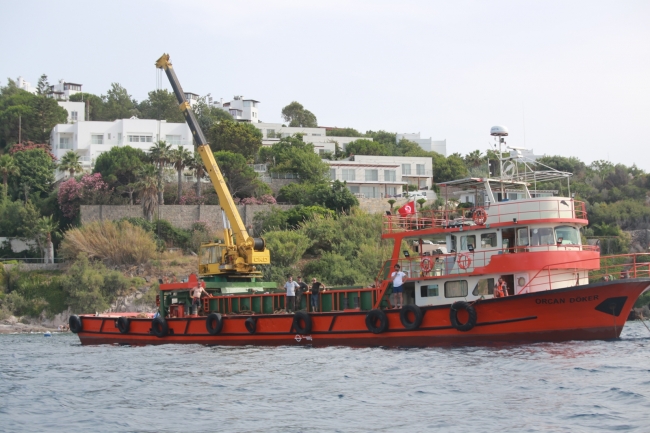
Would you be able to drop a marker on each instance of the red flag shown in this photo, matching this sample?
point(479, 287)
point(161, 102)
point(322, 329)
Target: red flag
point(407, 209)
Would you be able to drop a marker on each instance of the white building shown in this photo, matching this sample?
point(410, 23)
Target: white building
point(370, 176)
point(63, 90)
point(76, 110)
point(273, 132)
point(21, 83)
point(439, 146)
point(242, 110)
point(91, 139)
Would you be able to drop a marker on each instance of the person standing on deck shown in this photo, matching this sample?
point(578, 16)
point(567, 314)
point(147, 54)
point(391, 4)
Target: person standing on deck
point(316, 287)
point(398, 287)
point(196, 295)
point(302, 289)
point(291, 287)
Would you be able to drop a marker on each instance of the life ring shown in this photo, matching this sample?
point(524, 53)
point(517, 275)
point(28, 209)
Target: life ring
point(406, 320)
point(298, 319)
point(251, 325)
point(376, 321)
point(426, 265)
point(213, 323)
point(464, 261)
point(75, 323)
point(159, 327)
point(479, 216)
point(453, 316)
point(123, 324)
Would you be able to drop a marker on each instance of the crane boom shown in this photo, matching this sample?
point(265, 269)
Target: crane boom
point(247, 251)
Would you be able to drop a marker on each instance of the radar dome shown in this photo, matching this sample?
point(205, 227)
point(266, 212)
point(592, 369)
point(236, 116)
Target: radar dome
point(499, 131)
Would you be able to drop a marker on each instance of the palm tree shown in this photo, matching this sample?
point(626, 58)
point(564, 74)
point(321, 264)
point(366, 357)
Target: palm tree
point(392, 202)
point(71, 162)
point(473, 159)
point(148, 186)
point(421, 202)
point(180, 158)
point(8, 167)
point(45, 226)
point(160, 154)
point(196, 164)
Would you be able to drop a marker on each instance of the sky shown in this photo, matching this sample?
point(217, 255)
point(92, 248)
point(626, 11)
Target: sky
point(568, 78)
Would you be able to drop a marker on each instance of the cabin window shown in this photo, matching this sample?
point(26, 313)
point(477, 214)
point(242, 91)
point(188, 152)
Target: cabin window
point(456, 289)
point(488, 240)
point(430, 290)
point(484, 286)
point(522, 237)
point(542, 236)
point(453, 243)
point(567, 235)
point(466, 241)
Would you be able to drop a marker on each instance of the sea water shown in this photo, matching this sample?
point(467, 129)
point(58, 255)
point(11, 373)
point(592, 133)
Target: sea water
point(55, 384)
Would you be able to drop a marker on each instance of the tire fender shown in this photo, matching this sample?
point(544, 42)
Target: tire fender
point(404, 316)
point(75, 323)
point(123, 324)
point(213, 323)
point(251, 324)
point(376, 321)
point(453, 316)
point(159, 327)
point(298, 319)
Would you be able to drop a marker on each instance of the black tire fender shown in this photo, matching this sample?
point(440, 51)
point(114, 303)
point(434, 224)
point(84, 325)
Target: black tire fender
point(404, 316)
point(376, 321)
point(251, 324)
point(159, 327)
point(75, 323)
point(214, 323)
point(123, 324)
point(298, 319)
point(453, 316)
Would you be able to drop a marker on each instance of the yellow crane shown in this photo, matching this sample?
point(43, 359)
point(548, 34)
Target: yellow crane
point(240, 254)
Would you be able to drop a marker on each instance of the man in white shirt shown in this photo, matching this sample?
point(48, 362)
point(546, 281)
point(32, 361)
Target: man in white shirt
point(398, 287)
point(291, 287)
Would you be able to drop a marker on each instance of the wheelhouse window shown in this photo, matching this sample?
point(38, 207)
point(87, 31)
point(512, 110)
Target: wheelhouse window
point(522, 237)
point(466, 241)
point(542, 236)
point(456, 289)
point(484, 286)
point(430, 290)
point(488, 240)
point(567, 235)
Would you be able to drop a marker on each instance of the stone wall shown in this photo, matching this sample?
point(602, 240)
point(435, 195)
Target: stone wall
point(182, 216)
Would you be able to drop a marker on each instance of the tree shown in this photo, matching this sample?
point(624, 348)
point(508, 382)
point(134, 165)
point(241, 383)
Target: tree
point(207, 114)
point(119, 167)
point(70, 162)
point(46, 110)
point(241, 179)
point(292, 155)
point(160, 154)
point(446, 169)
point(297, 115)
point(43, 87)
point(196, 164)
point(387, 138)
point(148, 187)
point(161, 105)
point(180, 158)
point(42, 233)
point(366, 147)
point(343, 132)
point(8, 167)
point(238, 137)
point(474, 159)
point(118, 103)
point(335, 196)
point(36, 170)
point(94, 105)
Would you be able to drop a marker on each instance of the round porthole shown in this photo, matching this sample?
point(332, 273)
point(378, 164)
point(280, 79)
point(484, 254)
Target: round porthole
point(521, 281)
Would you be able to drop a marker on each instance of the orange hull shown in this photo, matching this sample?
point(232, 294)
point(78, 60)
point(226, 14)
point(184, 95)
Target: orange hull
point(589, 312)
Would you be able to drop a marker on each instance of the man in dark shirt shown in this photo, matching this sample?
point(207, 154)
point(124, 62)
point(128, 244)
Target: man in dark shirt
point(315, 290)
point(300, 290)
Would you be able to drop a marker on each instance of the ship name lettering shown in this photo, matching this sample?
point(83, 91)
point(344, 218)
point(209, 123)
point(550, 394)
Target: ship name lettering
point(550, 301)
point(583, 299)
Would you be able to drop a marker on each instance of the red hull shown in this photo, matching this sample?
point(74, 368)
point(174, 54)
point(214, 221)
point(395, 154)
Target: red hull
point(591, 312)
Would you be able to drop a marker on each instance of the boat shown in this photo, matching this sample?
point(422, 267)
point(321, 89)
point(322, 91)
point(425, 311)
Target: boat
point(510, 239)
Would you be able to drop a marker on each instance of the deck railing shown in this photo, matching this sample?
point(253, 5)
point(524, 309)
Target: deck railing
point(508, 211)
point(617, 267)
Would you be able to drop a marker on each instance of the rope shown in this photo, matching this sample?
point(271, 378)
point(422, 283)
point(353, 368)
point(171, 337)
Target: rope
point(646, 326)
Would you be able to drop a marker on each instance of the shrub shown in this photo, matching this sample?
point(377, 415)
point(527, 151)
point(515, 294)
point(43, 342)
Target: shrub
point(119, 243)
